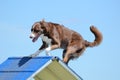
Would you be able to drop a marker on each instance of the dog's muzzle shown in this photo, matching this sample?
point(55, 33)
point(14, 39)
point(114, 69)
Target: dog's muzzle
point(32, 36)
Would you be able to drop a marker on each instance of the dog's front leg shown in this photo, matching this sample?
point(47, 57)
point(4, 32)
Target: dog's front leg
point(48, 50)
point(42, 48)
point(36, 53)
point(51, 47)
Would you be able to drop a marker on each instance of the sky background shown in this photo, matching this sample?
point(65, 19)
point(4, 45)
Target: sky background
point(97, 63)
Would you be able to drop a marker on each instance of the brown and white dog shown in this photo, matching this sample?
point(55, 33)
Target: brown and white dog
point(57, 36)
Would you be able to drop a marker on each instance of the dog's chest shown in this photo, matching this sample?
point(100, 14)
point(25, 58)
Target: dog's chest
point(46, 39)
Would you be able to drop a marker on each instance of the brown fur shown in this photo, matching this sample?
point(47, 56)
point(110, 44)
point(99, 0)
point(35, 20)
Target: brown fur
point(69, 40)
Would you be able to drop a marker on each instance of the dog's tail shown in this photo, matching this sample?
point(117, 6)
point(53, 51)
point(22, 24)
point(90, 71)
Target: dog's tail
point(98, 37)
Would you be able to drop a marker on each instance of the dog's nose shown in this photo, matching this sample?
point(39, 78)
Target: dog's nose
point(32, 35)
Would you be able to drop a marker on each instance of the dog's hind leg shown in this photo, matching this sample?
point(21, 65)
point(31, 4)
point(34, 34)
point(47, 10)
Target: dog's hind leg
point(69, 58)
point(63, 55)
point(67, 55)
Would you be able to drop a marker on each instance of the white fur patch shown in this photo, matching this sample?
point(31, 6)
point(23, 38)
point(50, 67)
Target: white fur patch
point(46, 39)
point(47, 51)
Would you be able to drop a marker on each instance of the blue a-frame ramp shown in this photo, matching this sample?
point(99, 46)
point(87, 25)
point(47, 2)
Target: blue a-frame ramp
point(38, 68)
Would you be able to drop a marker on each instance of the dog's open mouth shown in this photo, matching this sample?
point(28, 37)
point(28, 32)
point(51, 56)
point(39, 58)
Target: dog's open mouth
point(34, 38)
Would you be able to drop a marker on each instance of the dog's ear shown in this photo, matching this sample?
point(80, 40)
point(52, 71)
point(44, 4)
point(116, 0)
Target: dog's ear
point(43, 20)
point(44, 25)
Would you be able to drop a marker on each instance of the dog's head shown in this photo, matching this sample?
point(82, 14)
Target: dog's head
point(37, 29)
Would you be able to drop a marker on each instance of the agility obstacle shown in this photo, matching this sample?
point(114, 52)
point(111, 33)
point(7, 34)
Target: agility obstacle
point(38, 68)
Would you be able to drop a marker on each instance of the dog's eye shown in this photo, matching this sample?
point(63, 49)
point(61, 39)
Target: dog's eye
point(43, 27)
point(36, 31)
point(31, 29)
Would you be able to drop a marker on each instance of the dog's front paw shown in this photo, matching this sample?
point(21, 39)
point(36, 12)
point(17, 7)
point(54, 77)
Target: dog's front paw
point(33, 55)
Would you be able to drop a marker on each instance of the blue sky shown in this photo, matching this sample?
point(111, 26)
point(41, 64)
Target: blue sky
point(98, 63)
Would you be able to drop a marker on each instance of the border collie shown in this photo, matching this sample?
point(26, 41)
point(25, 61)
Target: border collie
point(56, 36)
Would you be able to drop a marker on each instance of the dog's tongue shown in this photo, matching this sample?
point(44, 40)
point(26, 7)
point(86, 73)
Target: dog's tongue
point(34, 39)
